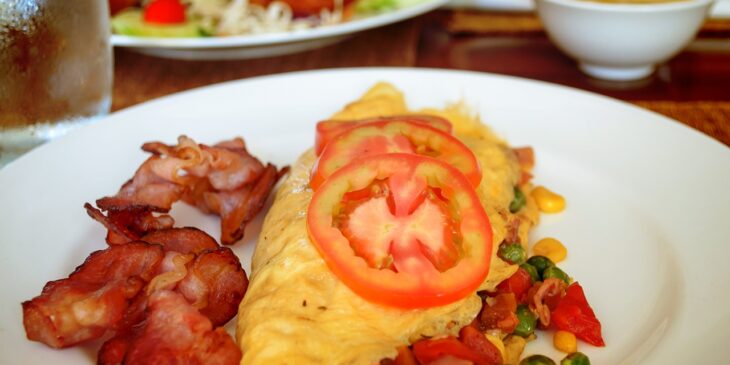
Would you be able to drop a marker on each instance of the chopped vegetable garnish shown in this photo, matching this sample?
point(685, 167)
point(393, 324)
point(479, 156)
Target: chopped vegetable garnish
point(518, 202)
point(547, 201)
point(576, 358)
point(565, 341)
point(537, 360)
point(550, 248)
point(575, 315)
point(513, 253)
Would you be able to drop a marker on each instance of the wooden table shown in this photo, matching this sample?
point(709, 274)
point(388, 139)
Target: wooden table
point(693, 87)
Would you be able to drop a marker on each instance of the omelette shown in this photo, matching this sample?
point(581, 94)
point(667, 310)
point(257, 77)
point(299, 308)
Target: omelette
point(296, 311)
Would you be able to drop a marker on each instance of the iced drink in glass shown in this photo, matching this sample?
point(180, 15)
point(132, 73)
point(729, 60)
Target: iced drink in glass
point(55, 69)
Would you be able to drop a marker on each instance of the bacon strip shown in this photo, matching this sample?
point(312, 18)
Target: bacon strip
point(240, 206)
point(223, 179)
point(546, 297)
point(526, 159)
point(94, 298)
point(173, 329)
point(182, 240)
point(215, 284)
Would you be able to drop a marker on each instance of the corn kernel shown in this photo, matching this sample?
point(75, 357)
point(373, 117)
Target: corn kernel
point(565, 342)
point(550, 248)
point(547, 201)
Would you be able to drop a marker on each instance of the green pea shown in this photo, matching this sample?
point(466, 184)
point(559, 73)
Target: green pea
point(540, 263)
point(512, 253)
point(537, 360)
point(555, 272)
point(528, 321)
point(532, 271)
point(518, 202)
point(576, 358)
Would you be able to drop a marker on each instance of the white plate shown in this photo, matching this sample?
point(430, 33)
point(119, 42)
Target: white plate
point(646, 224)
point(269, 44)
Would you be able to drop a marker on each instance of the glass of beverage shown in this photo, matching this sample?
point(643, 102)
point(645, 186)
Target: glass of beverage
point(55, 69)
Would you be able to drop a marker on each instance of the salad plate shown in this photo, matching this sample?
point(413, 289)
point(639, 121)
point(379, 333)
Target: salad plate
point(268, 44)
point(645, 224)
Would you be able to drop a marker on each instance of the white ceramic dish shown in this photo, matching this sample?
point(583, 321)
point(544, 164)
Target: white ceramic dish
point(721, 9)
point(617, 41)
point(266, 45)
point(646, 222)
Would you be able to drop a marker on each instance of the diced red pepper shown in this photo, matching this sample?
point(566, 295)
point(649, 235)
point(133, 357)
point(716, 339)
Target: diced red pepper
point(472, 346)
point(501, 315)
point(477, 342)
point(574, 314)
point(518, 284)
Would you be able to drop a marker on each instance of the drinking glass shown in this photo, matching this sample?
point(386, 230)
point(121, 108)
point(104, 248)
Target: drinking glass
point(55, 69)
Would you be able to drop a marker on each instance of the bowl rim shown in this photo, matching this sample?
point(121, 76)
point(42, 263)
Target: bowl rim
point(670, 5)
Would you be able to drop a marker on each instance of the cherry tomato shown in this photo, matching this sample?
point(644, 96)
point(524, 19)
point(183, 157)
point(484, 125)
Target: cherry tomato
point(165, 12)
point(415, 234)
point(518, 284)
point(394, 137)
point(329, 129)
point(574, 314)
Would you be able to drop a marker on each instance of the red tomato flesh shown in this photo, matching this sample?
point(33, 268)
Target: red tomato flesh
point(376, 138)
point(471, 345)
point(329, 129)
point(411, 232)
point(518, 284)
point(574, 314)
point(165, 12)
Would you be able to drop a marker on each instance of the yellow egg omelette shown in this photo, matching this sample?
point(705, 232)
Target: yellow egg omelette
point(296, 311)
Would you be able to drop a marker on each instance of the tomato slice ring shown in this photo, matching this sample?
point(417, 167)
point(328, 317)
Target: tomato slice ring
point(394, 136)
point(329, 129)
point(424, 241)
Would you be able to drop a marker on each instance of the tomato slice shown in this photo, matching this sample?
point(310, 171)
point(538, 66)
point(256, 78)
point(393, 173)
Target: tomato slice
point(574, 314)
point(412, 234)
point(165, 12)
point(394, 137)
point(329, 129)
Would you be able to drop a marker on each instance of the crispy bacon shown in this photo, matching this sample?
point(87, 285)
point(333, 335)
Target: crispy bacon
point(215, 284)
point(240, 206)
point(223, 179)
point(129, 225)
point(182, 240)
point(513, 230)
point(526, 159)
point(544, 297)
point(173, 329)
point(93, 298)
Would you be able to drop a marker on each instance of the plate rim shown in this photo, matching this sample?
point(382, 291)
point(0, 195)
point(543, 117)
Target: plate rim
point(659, 119)
point(266, 39)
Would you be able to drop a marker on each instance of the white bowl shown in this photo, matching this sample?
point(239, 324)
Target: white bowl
point(619, 41)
